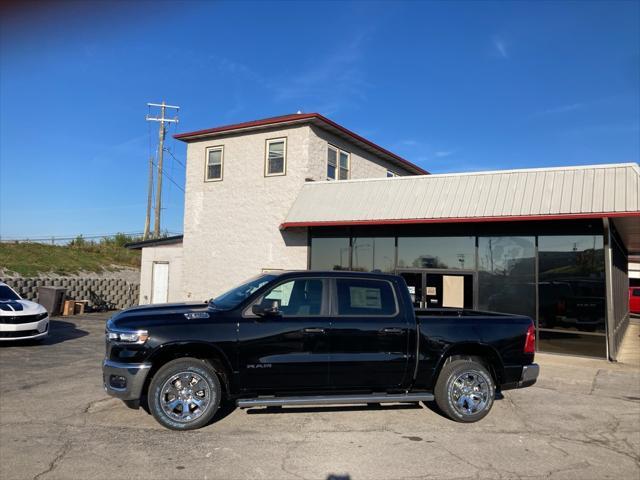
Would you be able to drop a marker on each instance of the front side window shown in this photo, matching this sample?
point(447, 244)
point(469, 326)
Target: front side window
point(235, 296)
point(390, 174)
point(297, 298)
point(337, 164)
point(276, 157)
point(365, 297)
point(214, 163)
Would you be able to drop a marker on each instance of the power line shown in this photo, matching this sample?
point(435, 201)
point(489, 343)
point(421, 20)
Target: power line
point(169, 178)
point(174, 157)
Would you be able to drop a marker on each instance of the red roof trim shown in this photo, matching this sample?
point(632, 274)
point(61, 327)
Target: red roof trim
point(409, 221)
point(298, 117)
point(253, 123)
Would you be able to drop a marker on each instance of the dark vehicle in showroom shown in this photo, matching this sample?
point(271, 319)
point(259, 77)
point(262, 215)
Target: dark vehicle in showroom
point(313, 338)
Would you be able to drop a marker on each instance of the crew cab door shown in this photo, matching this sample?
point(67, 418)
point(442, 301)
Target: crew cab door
point(369, 335)
point(288, 351)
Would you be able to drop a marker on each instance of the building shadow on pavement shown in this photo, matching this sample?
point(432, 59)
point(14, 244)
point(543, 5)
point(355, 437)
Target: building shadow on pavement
point(59, 331)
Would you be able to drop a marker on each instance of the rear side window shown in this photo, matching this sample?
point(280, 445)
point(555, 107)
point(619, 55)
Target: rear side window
point(365, 297)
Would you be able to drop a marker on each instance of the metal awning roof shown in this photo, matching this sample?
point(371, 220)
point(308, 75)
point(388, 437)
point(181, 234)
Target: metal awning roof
point(531, 194)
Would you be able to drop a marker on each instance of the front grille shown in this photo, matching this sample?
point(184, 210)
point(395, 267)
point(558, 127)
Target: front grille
point(17, 319)
point(23, 333)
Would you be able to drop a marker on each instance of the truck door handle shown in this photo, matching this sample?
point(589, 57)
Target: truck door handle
point(313, 330)
point(391, 331)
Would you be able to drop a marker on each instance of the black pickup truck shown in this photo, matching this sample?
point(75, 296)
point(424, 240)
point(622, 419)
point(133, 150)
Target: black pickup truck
point(309, 338)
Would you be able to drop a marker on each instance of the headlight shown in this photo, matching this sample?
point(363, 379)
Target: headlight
point(42, 316)
point(128, 336)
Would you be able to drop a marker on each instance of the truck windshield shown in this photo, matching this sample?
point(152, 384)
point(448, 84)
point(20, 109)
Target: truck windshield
point(7, 294)
point(236, 296)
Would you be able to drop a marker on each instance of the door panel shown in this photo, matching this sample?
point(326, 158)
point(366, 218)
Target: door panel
point(369, 337)
point(288, 352)
point(160, 282)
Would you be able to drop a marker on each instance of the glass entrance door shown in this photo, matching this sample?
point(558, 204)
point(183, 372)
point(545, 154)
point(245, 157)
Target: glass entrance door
point(440, 289)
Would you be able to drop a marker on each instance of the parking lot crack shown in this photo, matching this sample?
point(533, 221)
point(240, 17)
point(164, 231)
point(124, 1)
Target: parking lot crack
point(66, 447)
point(593, 382)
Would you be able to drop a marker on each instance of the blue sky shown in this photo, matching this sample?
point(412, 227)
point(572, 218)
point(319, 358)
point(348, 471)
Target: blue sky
point(451, 86)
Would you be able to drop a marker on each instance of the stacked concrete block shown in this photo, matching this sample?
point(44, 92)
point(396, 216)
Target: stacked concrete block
point(118, 291)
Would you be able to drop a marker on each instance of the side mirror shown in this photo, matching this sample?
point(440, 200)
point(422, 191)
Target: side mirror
point(267, 308)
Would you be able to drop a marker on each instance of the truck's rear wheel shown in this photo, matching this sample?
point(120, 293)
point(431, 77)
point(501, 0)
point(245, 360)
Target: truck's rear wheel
point(465, 390)
point(184, 394)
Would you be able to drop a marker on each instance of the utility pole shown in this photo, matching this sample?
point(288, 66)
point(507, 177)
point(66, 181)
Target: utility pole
point(161, 134)
point(147, 222)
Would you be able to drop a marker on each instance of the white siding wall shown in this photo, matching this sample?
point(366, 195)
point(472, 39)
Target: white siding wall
point(231, 227)
point(171, 254)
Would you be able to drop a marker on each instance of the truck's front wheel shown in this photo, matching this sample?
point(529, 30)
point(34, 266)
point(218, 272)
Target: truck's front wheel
point(184, 394)
point(465, 390)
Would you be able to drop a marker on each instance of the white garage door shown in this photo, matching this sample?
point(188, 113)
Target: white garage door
point(160, 283)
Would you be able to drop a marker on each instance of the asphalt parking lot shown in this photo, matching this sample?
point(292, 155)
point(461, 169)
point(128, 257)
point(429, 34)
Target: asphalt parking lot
point(582, 420)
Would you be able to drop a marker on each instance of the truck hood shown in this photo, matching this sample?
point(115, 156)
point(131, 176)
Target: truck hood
point(148, 315)
point(164, 307)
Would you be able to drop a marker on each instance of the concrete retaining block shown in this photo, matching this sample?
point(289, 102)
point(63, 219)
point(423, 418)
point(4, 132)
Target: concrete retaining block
point(118, 291)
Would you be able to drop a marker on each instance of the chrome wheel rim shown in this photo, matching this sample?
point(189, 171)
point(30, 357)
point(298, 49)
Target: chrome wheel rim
point(469, 393)
point(185, 396)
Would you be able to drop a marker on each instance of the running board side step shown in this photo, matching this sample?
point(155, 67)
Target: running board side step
point(335, 399)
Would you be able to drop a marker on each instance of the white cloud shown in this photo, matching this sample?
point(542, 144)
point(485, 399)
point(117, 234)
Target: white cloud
point(500, 47)
point(561, 109)
point(443, 153)
point(331, 81)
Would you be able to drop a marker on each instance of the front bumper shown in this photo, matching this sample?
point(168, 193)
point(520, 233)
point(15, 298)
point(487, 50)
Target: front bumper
point(529, 375)
point(24, 331)
point(124, 380)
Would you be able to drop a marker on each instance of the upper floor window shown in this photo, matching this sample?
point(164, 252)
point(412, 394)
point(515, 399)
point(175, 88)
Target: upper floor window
point(214, 163)
point(276, 161)
point(337, 164)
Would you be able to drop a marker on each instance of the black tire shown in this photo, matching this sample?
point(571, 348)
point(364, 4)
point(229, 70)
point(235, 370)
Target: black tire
point(446, 392)
point(160, 402)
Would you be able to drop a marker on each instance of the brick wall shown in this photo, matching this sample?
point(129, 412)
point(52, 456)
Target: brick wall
point(114, 290)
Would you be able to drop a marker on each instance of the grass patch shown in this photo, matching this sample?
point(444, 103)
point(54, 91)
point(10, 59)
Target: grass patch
point(31, 259)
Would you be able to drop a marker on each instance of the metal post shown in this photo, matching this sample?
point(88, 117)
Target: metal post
point(608, 278)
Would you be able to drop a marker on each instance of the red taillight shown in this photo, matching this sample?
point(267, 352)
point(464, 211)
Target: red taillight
point(530, 340)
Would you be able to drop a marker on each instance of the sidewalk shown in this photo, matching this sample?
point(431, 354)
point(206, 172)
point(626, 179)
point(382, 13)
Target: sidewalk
point(630, 348)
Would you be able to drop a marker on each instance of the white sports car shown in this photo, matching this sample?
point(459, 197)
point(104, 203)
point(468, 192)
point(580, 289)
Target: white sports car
point(21, 319)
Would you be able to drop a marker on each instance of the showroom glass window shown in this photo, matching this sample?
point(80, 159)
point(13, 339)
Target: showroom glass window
point(373, 253)
point(437, 252)
point(571, 294)
point(506, 275)
point(330, 253)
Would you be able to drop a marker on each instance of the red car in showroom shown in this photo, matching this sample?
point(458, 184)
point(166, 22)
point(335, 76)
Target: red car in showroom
point(634, 299)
